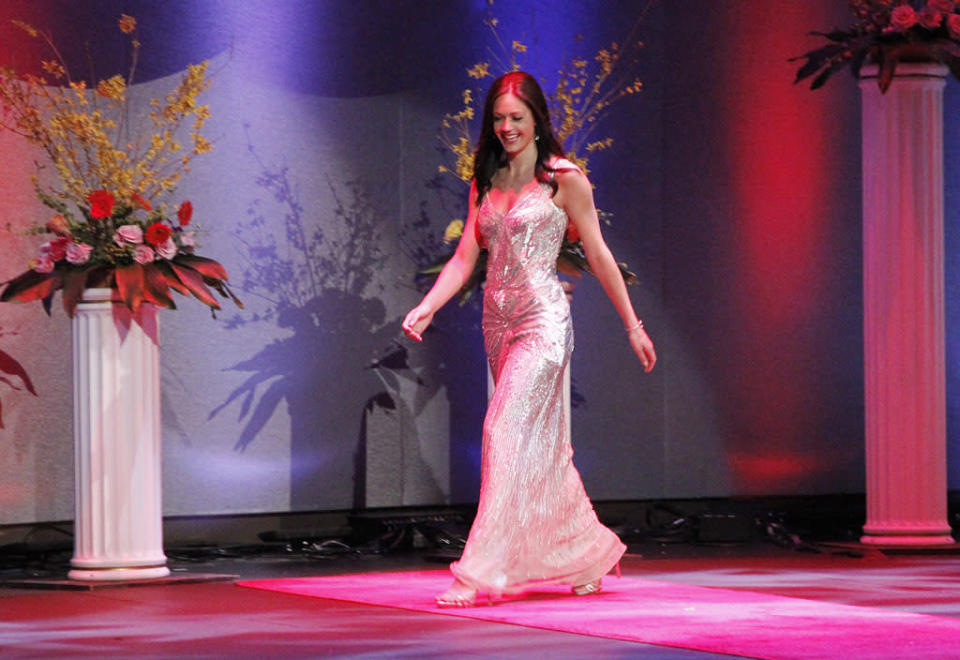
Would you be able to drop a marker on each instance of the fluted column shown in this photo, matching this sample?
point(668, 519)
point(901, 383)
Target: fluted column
point(905, 400)
point(116, 403)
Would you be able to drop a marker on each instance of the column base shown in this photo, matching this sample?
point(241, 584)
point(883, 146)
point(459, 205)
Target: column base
point(117, 574)
point(907, 537)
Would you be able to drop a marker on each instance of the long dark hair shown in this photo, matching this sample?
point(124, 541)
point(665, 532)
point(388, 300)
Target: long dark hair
point(489, 156)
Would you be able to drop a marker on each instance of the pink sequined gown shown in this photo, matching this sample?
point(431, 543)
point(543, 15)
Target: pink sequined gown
point(535, 524)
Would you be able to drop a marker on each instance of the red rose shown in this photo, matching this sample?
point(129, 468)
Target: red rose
point(953, 26)
point(930, 18)
point(184, 213)
point(157, 233)
point(55, 249)
point(903, 18)
point(101, 204)
point(141, 202)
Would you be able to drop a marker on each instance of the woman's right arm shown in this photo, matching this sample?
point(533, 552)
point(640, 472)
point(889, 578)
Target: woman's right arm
point(451, 279)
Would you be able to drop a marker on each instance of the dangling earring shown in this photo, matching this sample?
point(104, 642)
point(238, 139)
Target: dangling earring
point(536, 138)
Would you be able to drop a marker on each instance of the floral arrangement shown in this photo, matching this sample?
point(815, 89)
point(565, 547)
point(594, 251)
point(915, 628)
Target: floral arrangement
point(110, 225)
point(886, 32)
point(584, 93)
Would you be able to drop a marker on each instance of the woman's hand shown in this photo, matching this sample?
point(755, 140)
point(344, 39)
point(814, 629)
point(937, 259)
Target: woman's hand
point(417, 321)
point(643, 347)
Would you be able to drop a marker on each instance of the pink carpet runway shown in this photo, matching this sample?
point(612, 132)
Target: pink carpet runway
point(670, 614)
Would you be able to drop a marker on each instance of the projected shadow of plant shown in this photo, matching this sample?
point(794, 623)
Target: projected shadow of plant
point(317, 272)
point(14, 376)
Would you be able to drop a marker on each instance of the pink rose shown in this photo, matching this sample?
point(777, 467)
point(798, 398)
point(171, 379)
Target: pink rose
point(945, 6)
point(42, 264)
point(143, 254)
point(903, 18)
point(930, 18)
point(189, 240)
point(953, 25)
point(79, 253)
point(55, 249)
point(128, 235)
point(167, 249)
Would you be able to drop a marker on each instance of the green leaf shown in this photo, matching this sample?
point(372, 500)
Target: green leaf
point(856, 62)
point(887, 68)
point(944, 50)
point(829, 71)
point(808, 69)
point(817, 59)
point(49, 201)
point(837, 35)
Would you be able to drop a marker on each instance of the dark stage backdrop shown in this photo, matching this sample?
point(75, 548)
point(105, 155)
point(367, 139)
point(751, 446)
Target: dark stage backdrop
point(735, 197)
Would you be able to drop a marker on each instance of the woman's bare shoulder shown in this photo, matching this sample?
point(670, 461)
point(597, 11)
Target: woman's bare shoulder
point(564, 166)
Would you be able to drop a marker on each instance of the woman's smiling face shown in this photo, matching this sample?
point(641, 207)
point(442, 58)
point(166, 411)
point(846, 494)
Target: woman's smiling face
point(513, 123)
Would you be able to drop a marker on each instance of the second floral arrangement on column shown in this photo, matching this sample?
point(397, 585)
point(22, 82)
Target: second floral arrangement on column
point(885, 33)
point(112, 224)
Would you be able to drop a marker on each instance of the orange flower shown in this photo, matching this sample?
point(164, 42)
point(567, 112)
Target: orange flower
point(127, 23)
point(58, 225)
point(141, 202)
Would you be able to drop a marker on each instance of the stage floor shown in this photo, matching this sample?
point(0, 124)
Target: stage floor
point(220, 619)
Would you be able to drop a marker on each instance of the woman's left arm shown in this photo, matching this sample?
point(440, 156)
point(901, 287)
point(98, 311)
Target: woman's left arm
point(577, 200)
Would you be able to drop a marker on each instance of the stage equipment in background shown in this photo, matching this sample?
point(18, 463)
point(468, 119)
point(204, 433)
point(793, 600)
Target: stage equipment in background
point(904, 359)
point(441, 530)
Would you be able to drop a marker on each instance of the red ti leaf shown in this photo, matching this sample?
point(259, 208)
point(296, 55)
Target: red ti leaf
point(204, 266)
point(194, 281)
point(171, 278)
point(30, 286)
point(74, 282)
point(156, 290)
point(130, 284)
point(224, 291)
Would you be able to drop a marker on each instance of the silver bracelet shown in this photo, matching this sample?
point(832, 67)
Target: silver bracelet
point(638, 324)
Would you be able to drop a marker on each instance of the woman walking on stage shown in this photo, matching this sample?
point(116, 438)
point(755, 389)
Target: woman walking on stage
point(535, 524)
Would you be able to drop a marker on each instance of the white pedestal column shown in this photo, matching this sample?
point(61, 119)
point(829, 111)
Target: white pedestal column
point(905, 400)
point(116, 413)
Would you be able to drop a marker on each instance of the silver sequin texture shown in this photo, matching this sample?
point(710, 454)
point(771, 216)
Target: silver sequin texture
point(534, 523)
